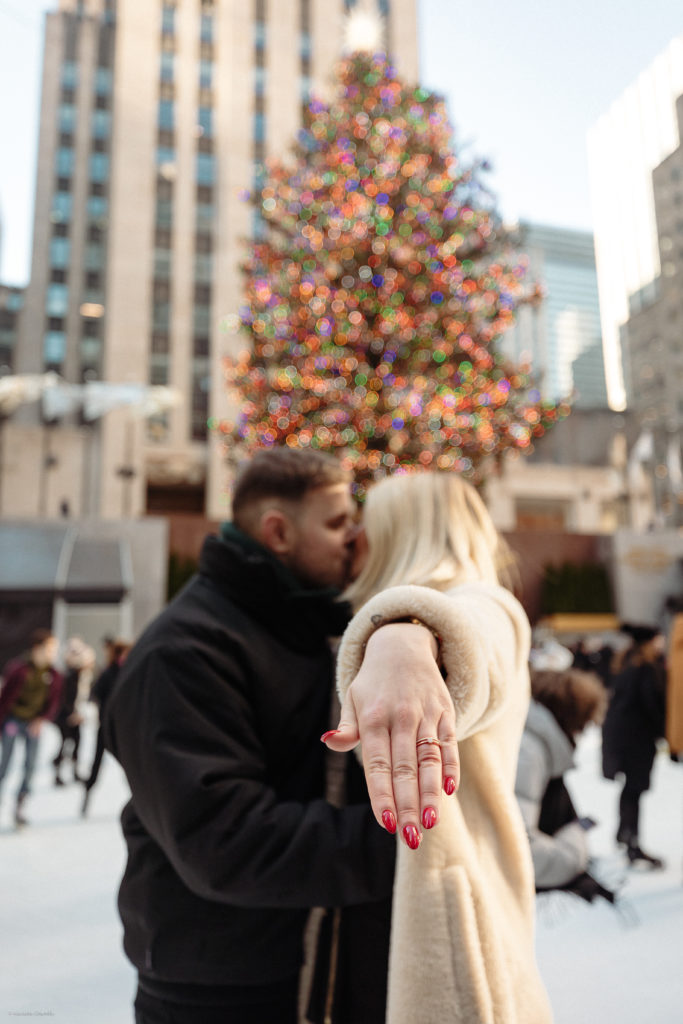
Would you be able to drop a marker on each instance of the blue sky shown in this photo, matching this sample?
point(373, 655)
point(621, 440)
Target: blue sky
point(523, 81)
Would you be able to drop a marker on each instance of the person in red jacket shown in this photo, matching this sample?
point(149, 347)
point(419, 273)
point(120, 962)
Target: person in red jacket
point(30, 694)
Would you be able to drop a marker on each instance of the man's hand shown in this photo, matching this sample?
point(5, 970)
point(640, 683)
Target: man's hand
point(35, 726)
point(397, 699)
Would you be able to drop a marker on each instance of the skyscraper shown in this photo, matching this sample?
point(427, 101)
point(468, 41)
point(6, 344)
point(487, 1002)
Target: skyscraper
point(556, 332)
point(156, 120)
point(625, 145)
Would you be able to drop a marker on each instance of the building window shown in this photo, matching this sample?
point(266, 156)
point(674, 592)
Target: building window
point(206, 168)
point(206, 28)
point(99, 167)
point(165, 156)
point(93, 257)
point(58, 275)
point(204, 216)
point(54, 348)
point(162, 238)
point(205, 74)
point(200, 399)
point(60, 230)
point(66, 119)
point(203, 268)
point(59, 252)
point(57, 301)
point(200, 345)
point(205, 121)
point(165, 119)
point(160, 342)
point(101, 124)
point(161, 317)
point(259, 126)
point(162, 262)
point(103, 81)
point(95, 233)
point(204, 194)
point(202, 294)
point(93, 279)
point(166, 67)
point(166, 139)
point(202, 320)
point(69, 74)
point(203, 242)
point(63, 184)
point(97, 207)
point(158, 369)
point(164, 213)
point(167, 19)
point(55, 323)
point(259, 35)
point(161, 291)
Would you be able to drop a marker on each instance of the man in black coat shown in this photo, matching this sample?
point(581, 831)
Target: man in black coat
point(216, 719)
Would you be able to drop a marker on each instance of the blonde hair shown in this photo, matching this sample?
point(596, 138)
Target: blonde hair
point(429, 528)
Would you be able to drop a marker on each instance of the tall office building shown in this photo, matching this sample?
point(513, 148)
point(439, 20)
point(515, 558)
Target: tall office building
point(156, 118)
point(556, 334)
point(637, 133)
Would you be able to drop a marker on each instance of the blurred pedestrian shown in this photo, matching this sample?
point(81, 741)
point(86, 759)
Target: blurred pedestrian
point(635, 720)
point(116, 651)
point(79, 661)
point(30, 696)
point(563, 704)
point(674, 694)
point(593, 654)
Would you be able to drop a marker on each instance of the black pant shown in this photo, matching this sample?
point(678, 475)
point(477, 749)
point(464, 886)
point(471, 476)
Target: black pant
point(97, 760)
point(267, 1004)
point(629, 812)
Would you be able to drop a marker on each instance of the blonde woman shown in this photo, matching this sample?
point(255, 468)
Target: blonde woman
point(462, 932)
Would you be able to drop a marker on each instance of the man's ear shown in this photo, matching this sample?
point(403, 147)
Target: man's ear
point(277, 532)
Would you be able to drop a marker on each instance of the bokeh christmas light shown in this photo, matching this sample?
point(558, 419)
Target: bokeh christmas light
point(378, 294)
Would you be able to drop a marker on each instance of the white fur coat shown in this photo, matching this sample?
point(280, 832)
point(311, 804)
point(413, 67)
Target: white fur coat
point(462, 942)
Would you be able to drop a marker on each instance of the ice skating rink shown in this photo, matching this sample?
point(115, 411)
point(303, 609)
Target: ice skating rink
point(61, 940)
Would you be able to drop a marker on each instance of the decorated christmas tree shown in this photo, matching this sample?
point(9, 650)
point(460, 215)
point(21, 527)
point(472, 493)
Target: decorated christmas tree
point(377, 293)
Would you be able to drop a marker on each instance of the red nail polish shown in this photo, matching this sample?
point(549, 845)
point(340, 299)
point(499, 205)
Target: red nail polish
point(389, 821)
point(326, 735)
point(449, 785)
point(429, 817)
point(411, 836)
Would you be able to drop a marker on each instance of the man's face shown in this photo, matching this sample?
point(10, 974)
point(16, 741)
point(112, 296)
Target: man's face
point(324, 528)
point(45, 654)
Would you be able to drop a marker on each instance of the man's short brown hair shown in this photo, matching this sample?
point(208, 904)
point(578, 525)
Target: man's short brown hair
point(40, 636)
point(285, 473)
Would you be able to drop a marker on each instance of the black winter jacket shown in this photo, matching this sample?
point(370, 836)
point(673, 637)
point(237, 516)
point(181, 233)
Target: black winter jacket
point(633, 723)
point(216, 718)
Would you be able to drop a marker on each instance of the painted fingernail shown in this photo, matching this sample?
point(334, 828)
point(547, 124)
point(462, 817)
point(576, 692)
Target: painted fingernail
point(429, 817)
point(326, 735)
point(389, 821)
point(411, 836)
point(449, 785)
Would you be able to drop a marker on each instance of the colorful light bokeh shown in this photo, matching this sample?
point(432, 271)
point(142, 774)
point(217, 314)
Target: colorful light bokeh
point(375, 302)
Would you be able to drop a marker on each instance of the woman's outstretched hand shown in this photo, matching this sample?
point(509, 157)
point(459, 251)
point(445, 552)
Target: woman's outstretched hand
point(396, 707)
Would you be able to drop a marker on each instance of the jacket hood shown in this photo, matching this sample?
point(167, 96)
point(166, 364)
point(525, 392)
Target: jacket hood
point(543, 726)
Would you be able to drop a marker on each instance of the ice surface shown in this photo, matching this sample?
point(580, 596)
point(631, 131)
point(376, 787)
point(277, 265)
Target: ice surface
point(60, 938)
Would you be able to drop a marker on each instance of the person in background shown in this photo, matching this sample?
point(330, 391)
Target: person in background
point(593, 654)
point(674, 692)
point(29, 697)
point(563, 703)
point(79, 661)
point(116, 651)
point(635, 720)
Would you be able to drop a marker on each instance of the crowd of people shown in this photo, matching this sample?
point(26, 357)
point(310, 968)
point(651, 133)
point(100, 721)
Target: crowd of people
point(272, 876)
point(44, 685)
